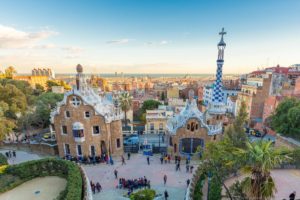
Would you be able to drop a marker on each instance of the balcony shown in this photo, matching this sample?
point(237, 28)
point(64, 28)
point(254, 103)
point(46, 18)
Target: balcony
point(79, 139)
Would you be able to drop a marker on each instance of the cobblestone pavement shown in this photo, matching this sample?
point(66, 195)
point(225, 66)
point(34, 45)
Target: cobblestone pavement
point(21, 156)
point(137, 167)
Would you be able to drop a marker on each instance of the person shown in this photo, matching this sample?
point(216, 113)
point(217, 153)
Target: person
point(7, 155)
point(169, 158)
point(191, 169)
point(187, 182)
point(166, 195)
point(98, 187)
point(14, 153)
point(116, 174)
point(161, 160)
point(123, 160)
point(148, 160)
point(165, 179)
point(93, 188)
point(187, 168)
point(292, 196)
point(128, 155)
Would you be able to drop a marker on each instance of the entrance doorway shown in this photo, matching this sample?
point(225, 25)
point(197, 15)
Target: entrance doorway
point(190, 145)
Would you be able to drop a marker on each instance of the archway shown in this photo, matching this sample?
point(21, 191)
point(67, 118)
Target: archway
point(190, 145)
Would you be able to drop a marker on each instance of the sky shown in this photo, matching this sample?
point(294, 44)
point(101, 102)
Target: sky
point(148, 36)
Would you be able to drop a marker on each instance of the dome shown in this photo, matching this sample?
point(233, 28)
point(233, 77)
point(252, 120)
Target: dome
point(79, 68)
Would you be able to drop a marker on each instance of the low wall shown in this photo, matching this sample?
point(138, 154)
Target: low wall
point(40, 148)
point(191, 188)
point(87, 192)
point(289, 142)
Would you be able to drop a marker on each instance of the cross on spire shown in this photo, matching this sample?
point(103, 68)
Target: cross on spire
point(222, 32)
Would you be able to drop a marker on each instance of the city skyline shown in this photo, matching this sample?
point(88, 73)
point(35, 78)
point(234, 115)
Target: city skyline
point(154, 37)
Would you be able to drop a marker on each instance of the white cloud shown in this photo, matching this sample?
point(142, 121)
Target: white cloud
point(72, 49)
point(13, 38)
point(163, 42)
point(44, 46)
point(120, 41)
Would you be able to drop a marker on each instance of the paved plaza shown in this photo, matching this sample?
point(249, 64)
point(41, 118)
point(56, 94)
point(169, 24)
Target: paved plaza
point(137, 167)
point(286, 180)
point(21, 156)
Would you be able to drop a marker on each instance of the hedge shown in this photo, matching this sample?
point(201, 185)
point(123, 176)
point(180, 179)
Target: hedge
point(146, 194)
point(215, 189)
point(48, 167)
point(198, 194)
point(3, 160)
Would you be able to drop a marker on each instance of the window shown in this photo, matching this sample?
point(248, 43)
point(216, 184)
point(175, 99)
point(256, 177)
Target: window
point(215, 137)
point(192, 126)
point(196, 126)
point(188, 127)
point(79, 152)
point(161, 126)
point(68, 114)
point(93, 152)
point(78, 133)
point(75, 101)
point(118, 143)
point(67, 149)
point(96, 129)
point(87, 114)
point(64, 130)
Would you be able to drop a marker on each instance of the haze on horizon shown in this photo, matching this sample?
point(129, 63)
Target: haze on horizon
point(132, 36)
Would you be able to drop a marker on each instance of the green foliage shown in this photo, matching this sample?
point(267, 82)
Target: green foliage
point(125, 103)
point(9, 72)
point(48, 167)
point(39, 89)
point(44, 103)
point(3, 160)
point(162, 97)
point(150, 105)
point(286, 119)
point(235, 133)
point(215, 189)
point(236, 191)
point(295, 155)
point(51, 83)
point(146, 194)
point(257, 160)
point(14, 98)
point(198, 194)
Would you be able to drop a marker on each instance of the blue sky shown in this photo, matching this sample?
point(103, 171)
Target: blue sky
point(148, 36)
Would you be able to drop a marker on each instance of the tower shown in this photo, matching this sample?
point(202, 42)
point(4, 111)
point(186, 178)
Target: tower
point(217, 106)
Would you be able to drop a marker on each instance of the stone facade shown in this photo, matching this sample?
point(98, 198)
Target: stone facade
point(186, 132)
point(108, 136)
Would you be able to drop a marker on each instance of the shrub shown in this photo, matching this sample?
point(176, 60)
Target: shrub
point(198, 188)
point(215, 189)
point(146, 194)
point(3, 160)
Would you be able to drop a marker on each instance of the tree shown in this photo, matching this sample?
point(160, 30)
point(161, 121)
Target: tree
point(39, 89)
point(9, 72)
point(162, 97)
point(51, 83)
point(150, 105)
point(235, 133)
point(15, 99)
point(258, 159)
point(125, 101)
point(286, 118)
point(6, 125)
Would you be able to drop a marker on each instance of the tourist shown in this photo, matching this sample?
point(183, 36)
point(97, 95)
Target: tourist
point(7, 155)
point(123, 160)
point(187, 168)
point(161, 160)
point(191, 169)
point(116, 174)
point(148, 160)
point(166, 195)
point(99, 187)
point(166, 159)
point(128, 155)
point(165, 179)
point(169, 158)
point(176, 159)
point(14, 153)
point(188, 182)
point(93, 188)
point(293, 196)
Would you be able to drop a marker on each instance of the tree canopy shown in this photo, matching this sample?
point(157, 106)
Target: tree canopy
point(286, 119)
point(150, 105)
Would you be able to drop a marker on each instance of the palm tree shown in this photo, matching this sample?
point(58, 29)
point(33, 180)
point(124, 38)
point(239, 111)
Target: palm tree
point(125, 102)
point(258, 160)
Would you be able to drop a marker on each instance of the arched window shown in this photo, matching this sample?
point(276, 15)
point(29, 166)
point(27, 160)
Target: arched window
point(196, 126)
point(188, 127)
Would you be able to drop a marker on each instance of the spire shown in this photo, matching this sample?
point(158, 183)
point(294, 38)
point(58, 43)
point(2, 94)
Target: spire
point(217, 104)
